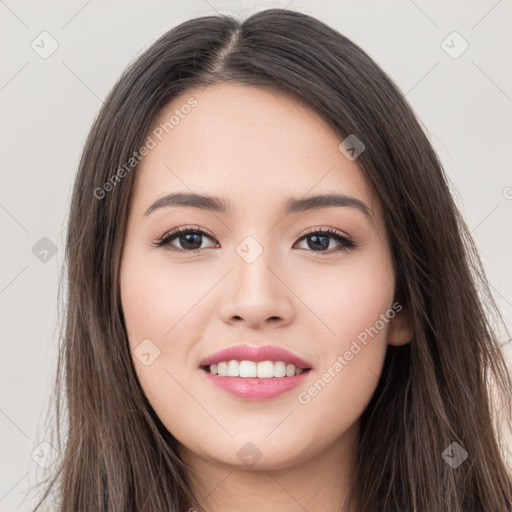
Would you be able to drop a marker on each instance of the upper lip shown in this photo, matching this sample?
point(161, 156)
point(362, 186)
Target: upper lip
point(249, 353)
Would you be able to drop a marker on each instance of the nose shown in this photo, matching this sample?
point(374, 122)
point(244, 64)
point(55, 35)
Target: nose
point(258, 294)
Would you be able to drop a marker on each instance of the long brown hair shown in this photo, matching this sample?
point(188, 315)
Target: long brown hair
point(444, 387)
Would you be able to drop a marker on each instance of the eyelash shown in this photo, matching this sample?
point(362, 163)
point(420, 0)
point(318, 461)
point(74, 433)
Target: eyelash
point(346, 242)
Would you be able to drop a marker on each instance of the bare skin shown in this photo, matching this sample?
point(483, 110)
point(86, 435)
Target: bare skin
point(257, 149)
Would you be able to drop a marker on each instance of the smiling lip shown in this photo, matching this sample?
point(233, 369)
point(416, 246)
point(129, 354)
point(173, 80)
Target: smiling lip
point(256, 354)
point(256, 388)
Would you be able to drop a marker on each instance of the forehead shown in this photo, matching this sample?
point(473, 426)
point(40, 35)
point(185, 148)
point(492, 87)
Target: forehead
point(248, 144)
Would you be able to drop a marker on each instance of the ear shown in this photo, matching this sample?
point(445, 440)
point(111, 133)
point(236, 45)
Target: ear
point(401, 328)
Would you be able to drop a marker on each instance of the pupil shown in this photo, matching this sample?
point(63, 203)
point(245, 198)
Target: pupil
point(315, 245)
point(188, 243)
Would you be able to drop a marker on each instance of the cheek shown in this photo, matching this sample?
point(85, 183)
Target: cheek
point(155, 305)
point(354, 303)
point(164, 315)
point(348, 299)
point(157, 300)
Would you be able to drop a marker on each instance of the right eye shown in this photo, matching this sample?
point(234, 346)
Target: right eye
point(190, 239)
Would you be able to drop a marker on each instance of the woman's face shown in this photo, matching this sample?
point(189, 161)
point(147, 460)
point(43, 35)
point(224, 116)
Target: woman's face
point(254, 278)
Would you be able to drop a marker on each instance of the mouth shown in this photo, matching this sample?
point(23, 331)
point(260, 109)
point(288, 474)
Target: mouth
point(255, 373)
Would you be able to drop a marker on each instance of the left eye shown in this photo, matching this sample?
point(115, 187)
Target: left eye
point(319, 240)
point(191, 240)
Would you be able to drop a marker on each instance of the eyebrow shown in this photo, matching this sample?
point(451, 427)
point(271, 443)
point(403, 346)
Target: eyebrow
point(293, 205)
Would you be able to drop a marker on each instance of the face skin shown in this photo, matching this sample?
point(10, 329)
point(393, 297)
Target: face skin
point(256, 149)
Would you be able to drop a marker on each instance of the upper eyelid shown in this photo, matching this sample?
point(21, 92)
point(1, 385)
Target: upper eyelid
point(331, 231)
point(187, 229)
point(176, 231)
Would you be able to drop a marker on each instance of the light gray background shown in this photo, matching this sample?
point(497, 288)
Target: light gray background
point(48, 105)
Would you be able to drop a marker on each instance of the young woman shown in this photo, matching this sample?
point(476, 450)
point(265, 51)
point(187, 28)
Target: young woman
point(273, 302)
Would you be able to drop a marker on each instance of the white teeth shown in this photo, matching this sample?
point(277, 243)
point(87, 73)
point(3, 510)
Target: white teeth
point(291, 371)
point(280, 369)
point(265, 369)
point(248, 369)
point(222, 369)
point(233, 369)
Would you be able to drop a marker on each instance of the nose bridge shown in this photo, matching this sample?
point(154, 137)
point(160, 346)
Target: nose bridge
point(252, 262)
point(256, 293)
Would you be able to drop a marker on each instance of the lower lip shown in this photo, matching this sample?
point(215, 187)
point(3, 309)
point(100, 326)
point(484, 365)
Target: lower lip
point(254, 388)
